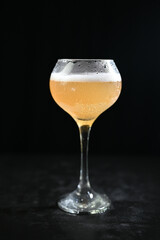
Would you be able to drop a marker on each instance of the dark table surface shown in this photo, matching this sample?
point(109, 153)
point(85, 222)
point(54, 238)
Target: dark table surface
point(31, 184)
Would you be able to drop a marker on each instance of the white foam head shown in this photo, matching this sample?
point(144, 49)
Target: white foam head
point(90, 77)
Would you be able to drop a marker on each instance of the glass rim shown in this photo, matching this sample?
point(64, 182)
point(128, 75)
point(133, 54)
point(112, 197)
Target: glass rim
point(83, 59)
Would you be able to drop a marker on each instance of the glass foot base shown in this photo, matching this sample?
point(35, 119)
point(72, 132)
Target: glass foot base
point(89, 202)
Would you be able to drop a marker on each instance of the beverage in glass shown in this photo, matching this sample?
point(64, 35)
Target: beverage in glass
point(85, 88)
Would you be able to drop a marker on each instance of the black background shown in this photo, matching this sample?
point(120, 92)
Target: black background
point(35, 35)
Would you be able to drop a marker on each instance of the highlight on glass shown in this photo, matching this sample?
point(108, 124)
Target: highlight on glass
point(85, 88)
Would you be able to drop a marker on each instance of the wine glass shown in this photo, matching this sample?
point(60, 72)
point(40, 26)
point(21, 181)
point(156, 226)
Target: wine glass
point(85, 88)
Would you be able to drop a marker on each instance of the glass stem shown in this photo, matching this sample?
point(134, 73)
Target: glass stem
point(84, 183)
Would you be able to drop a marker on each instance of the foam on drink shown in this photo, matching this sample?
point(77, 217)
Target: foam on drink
point(90, 77)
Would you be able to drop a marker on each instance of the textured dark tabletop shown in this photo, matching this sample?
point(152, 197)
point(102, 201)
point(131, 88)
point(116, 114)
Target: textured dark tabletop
point(31, 184)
